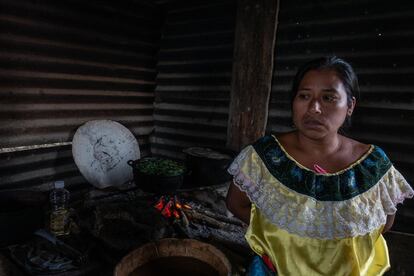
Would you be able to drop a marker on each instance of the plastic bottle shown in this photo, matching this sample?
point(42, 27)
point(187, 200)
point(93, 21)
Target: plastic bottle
point(59, 216)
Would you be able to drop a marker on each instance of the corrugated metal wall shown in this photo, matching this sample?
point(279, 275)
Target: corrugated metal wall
point(63, 63)
point(194, 76)
point(377, 37)
point(195, 71)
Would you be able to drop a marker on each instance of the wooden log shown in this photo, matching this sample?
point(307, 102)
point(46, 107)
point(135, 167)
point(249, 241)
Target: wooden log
point(223, 218)
point(252, 71)
point(194, 215)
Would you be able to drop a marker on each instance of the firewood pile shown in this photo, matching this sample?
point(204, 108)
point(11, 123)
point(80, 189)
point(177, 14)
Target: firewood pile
point(126, 220)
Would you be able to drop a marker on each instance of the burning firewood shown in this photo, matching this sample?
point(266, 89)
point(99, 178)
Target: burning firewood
point(222, 218)
point(195, 215)
point(184, 219)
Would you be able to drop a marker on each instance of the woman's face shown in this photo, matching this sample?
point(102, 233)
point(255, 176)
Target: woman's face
point(320, 105)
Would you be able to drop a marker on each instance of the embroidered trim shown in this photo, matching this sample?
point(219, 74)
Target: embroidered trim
point(305, 216)
point(357, 162)
point(358, 178)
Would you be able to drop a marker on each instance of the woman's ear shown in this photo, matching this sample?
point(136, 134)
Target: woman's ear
point(351, 108)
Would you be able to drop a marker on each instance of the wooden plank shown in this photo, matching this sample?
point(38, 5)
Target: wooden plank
point(252, 71)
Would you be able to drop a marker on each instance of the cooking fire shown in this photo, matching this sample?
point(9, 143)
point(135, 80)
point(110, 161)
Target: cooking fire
point(171, 207)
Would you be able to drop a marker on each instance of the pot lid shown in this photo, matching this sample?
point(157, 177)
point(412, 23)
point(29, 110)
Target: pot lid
point(206, 153)
point(101, 149)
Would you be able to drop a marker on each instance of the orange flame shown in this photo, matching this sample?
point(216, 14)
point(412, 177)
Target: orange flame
point(170, 207)
point(167, 210)
point(176, 214)
point(160, 204)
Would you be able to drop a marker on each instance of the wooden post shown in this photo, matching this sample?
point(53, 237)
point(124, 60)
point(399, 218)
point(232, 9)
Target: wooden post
point(254, 43)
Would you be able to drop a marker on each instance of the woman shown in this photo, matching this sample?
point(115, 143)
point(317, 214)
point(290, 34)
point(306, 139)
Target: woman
point(316, 201)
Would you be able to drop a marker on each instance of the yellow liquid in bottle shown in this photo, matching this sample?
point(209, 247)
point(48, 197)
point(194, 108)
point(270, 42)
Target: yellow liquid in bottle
point(59, 222)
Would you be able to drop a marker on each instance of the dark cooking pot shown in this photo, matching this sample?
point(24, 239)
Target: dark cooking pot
point(161, 176)
point(207, 166)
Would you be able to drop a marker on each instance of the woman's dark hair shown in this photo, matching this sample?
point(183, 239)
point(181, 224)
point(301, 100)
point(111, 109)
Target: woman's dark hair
point(342, 68)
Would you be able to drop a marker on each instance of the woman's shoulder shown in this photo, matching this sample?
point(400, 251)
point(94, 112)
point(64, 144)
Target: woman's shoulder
point(272, 142)
point(285, 138)
point(367, 157)
point(355, 148)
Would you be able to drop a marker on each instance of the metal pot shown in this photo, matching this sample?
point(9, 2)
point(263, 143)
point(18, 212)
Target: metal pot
point(207, 166)
point(155, 183)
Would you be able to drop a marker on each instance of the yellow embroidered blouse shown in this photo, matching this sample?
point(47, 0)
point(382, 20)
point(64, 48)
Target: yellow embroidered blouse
point(315, 224)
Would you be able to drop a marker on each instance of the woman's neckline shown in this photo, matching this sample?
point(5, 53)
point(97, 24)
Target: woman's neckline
point(349, 167)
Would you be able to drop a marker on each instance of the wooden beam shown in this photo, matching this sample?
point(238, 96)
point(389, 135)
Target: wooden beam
point(256, 24)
